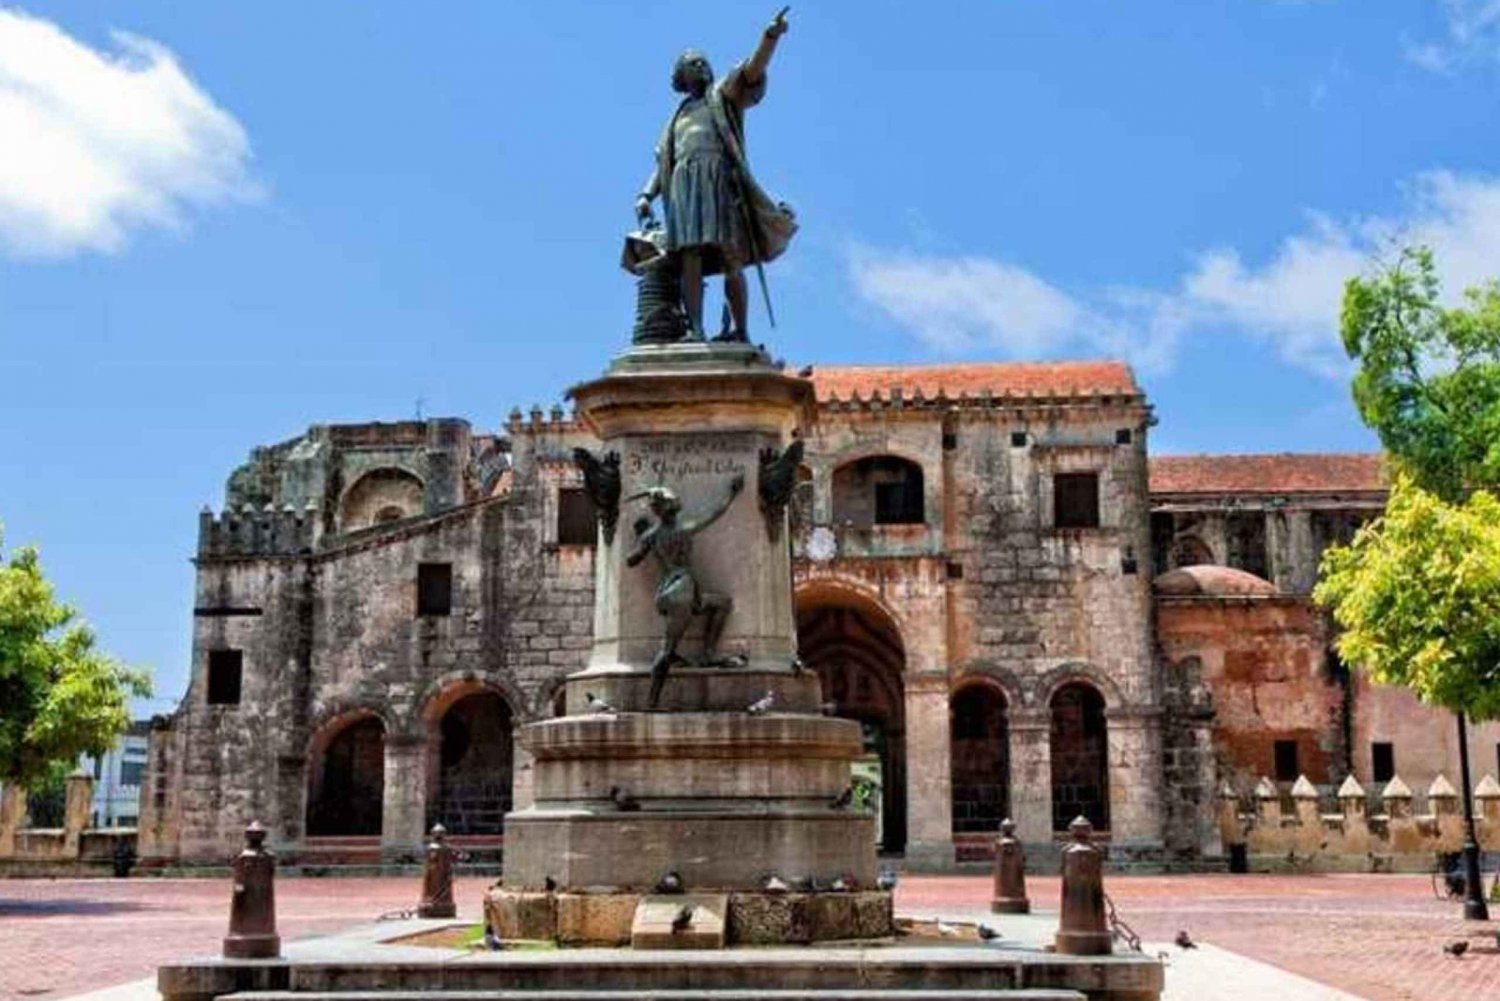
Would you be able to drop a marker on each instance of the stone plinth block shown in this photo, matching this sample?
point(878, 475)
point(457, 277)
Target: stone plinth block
point(671, 761)
point(691, 420)
point(680, 921)
point(712, 849)
point(595, 918)
point(514, 914)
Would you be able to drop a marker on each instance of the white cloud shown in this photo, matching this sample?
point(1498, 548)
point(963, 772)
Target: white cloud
point(1473, 32)
point(96, 143)
point(1289, 301)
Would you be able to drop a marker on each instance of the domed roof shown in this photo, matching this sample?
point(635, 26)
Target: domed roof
point(1212, 581)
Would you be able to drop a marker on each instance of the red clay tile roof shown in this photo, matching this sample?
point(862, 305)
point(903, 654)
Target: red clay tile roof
point(1067, 378)
point(1285, 473)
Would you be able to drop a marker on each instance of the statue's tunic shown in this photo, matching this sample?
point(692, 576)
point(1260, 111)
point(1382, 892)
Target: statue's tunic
point(701, 169)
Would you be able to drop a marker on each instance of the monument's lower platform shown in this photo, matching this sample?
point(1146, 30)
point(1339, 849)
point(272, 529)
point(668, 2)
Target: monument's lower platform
point(867, 973)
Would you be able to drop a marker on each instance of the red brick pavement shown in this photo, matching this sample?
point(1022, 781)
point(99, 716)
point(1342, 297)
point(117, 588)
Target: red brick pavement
point(1375, 936)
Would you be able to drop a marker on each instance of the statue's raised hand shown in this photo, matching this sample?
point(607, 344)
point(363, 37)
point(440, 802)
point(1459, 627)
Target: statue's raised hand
point(643, 210)
point(778, 25)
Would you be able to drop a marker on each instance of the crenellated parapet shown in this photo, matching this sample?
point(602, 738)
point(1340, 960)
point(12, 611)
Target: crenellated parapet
point(1362, 833)
point(251, 532)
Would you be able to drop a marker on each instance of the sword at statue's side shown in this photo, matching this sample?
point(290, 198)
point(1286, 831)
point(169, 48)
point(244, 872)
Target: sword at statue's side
point(748, 219)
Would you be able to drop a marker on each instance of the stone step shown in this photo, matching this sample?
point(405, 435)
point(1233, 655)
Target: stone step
point(873, 994)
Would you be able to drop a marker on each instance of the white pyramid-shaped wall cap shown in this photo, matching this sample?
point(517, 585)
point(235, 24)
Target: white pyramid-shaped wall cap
point(1396, 789)
point(1442, 788)
point(1351, 789)
point(1226, 790)
point(1487, 788)
point(1266, 789)
point(1303, 789)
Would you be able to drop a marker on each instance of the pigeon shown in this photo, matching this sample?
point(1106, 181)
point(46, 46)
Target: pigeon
point(1184, 941)
point(623, 801)
point(775, 884)
point(549, 884)
point(491, 940)
point(797, 666)
point(986, 933)
point(946, 930)
point(842, 801)
point(804, 372)
point(669, 883)
point(683, 919)
point(762, 705)
point(596, 704)
point(829, 708)
point(1456, 949)
point(887, 880)
point(842, 884)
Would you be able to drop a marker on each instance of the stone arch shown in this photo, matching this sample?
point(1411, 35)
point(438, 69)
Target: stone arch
point(378, 496)
point(979, 754)
point(1080, 754)
point(1047, 685)
point(346, 775)
point(879, 488)
point(855, 645)
point(470, 725)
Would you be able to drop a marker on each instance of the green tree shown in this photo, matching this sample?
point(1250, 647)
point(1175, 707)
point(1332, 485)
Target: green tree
point(1418, 596)
point(59, 696)
point(1429, 376)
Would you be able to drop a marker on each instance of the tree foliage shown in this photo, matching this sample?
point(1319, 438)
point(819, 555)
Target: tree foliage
point(59, 696)
point(1429, 376)
point(1418, 596)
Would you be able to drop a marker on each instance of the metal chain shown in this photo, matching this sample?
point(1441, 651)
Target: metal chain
point(1118, 928)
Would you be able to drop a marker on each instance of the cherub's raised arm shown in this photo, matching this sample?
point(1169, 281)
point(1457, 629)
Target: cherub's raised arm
point(735, 486)
point(755, 68)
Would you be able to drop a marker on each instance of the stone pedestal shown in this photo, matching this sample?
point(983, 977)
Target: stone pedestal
point(700, 785)
point(252, 908)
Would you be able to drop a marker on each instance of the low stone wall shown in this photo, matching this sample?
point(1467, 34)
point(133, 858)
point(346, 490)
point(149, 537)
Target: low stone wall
point(68, 851)
point(1366, 834)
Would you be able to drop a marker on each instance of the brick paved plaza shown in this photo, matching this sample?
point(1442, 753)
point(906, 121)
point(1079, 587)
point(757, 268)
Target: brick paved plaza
point(1374, 936)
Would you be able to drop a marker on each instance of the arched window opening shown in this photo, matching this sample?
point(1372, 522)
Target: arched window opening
point(347, 790)
point(378, 497)
point(878, 490)
point(1080, 775)
point(979, 757)
point(471, 770)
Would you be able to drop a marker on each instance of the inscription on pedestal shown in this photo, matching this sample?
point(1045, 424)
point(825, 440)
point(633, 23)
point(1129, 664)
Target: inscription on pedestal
point(690, 456)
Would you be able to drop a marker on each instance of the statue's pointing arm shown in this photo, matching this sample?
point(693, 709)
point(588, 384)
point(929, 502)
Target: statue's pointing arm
point(755, 69)
point(735, 486)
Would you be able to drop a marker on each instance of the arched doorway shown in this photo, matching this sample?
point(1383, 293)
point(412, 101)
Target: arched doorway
point(979, 756)
point(470, 762)
point(856, 649)
point(1080, 757)
point(346, 778)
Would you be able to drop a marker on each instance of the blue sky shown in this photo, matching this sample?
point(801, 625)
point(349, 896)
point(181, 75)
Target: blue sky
point(220, 223)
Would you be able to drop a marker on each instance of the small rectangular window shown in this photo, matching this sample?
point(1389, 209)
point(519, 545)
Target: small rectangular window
point(1286, 761)
point(1018, 439)
point(434, 588)
point(1382, 761)
point(575, 518)
point(955, 571)
point(1123, 436)
point(1075, 500)
point(225, 668)
point(898, 502)
point(950, 441)
point(132, 773)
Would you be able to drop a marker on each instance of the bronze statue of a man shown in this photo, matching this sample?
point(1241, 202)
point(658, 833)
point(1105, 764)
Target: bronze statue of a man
point(717, 218)
point(678, 596)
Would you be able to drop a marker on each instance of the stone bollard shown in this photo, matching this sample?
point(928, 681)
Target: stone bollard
point(1487, 807)
point(1082, 930)
point(1010, 873)
point(437, 878)
point(1231, 830)
point(1267, 803)
point(12, 816)
point(1397, 799)
point(1442, 798)
point(1354, 806)
point(252, 909)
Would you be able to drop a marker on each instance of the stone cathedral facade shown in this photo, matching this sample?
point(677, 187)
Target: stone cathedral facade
point(1029, 616)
